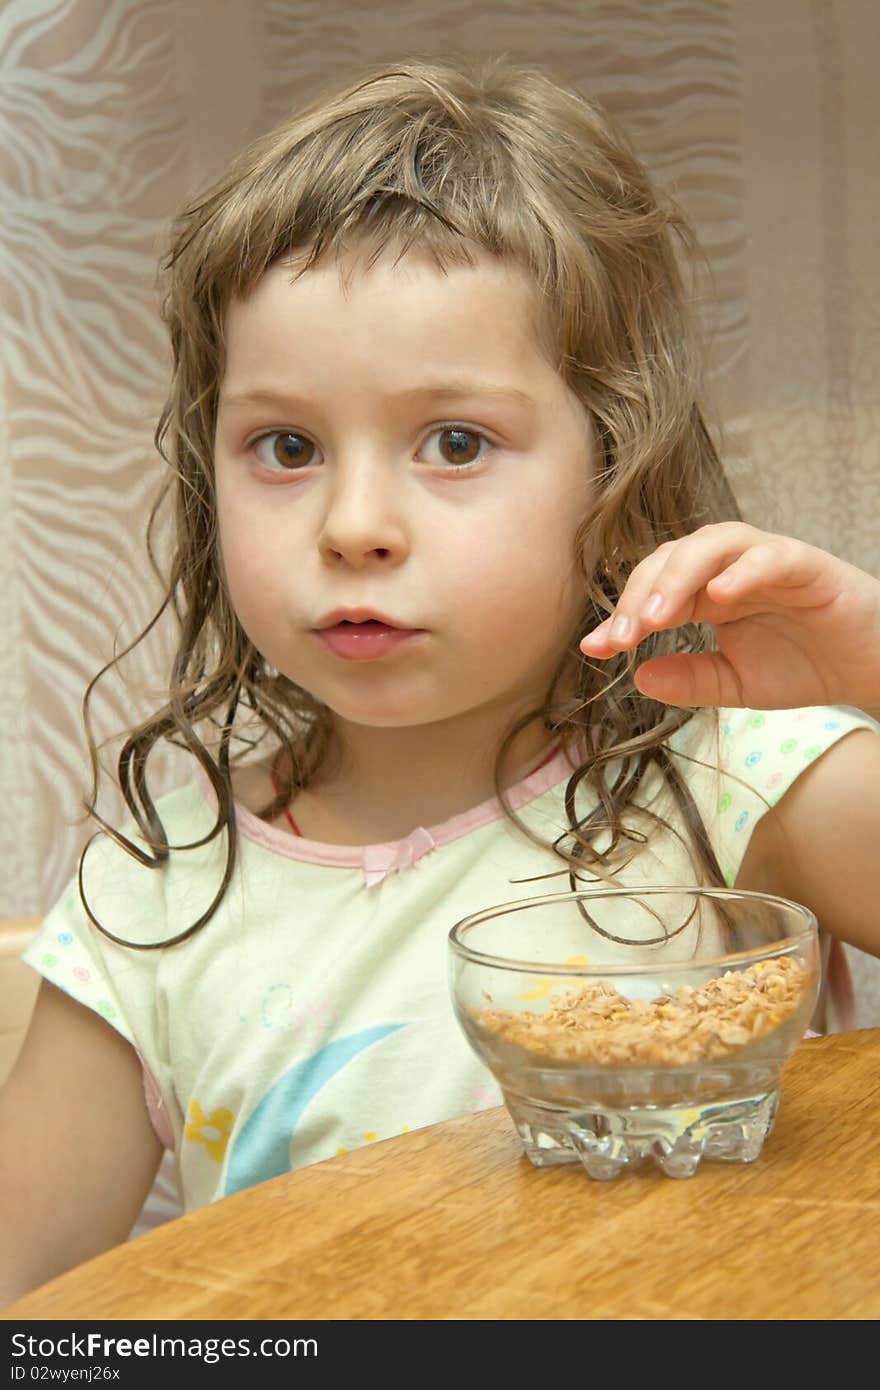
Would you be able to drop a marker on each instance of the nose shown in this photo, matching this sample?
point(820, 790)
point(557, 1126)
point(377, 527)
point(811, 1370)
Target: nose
point(363, 521)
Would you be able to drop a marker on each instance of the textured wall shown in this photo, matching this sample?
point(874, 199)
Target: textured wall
point(760, 117)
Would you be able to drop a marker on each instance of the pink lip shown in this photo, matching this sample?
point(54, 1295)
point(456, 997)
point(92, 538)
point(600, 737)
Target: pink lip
point(359, 635)
point(360, 615)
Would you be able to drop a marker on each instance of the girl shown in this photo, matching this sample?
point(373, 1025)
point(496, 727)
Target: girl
point(452, 542)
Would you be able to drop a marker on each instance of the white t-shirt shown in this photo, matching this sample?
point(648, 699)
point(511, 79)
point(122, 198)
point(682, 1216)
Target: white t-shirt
point(311, 1015)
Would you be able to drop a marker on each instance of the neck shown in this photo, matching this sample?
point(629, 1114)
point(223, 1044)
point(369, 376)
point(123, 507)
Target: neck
point(388, 781)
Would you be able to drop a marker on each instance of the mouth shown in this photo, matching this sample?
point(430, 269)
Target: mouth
point(365, 625)
point(364, 636)
point(349, 619)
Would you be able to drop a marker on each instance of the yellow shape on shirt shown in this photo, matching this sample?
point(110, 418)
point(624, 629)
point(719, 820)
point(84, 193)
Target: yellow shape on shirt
point(213, 1130)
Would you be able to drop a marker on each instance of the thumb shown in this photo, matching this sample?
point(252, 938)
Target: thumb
point(695, 679)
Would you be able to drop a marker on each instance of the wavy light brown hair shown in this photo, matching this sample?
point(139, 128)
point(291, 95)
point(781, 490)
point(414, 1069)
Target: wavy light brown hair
point(447, 157)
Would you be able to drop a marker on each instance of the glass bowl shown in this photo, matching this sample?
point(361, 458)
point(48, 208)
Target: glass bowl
point(628, 1025)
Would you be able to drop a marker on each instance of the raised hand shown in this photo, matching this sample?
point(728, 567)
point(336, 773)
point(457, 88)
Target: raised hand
point(793, 624)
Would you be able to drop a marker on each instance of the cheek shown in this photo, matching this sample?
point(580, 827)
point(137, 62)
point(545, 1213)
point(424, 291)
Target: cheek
point(232, 563)
point(515, 569)
point(245, 533)
point(248, 572)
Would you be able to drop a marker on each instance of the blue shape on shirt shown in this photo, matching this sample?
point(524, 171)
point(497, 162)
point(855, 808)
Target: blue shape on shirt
point(262, 1148)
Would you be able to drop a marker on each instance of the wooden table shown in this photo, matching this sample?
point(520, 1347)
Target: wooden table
point(453, 1222)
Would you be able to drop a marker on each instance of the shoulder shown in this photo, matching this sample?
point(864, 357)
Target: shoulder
point(766, 750)
point(818, 843)
point(771, 750)
point(134, 903)
point(797, 734)
point(740, 763)
point(132, 887)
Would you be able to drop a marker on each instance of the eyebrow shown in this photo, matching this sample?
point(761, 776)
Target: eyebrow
point(446, 390)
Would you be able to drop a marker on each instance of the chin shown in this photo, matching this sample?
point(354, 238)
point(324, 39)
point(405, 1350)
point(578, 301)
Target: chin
point(385, 718)
point(397, 712)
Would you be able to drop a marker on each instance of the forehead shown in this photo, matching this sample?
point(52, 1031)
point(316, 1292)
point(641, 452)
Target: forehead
point(486, 313)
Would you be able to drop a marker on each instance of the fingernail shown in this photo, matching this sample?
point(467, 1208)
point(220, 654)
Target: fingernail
point(620, 628)
point(654, 607)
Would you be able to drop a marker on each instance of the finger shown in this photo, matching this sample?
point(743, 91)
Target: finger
point(662, 590)
point(623, 628)
point(695, 563)
point(692, 680)
point(775, 564)
point(734, 565)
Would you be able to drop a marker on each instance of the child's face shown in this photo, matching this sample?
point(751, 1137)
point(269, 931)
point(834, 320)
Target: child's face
point(340, 485)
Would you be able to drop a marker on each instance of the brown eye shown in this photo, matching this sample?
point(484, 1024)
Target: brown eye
point(458, 446)
point(463, 446)
point(289, 450)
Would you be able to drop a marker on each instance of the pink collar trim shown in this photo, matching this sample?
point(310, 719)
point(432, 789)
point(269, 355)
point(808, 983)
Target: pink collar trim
point(377, 861)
